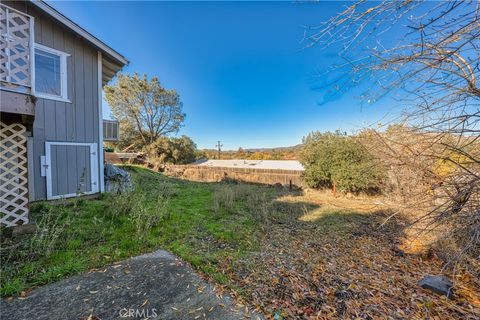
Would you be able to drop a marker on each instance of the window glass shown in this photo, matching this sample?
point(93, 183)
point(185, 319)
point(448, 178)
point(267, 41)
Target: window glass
point(47, 73)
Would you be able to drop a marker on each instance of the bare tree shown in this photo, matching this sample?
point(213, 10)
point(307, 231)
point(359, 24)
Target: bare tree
point(145, 107)
point(427, 54)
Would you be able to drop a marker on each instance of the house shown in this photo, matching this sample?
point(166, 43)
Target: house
point(51, 77)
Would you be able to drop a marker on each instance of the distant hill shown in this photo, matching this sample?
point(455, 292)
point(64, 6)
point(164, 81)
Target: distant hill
point(291, 148)
point(277, 153)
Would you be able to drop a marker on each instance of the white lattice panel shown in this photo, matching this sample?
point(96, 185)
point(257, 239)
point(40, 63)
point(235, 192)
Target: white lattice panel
point(13, 175)
point(15, 47)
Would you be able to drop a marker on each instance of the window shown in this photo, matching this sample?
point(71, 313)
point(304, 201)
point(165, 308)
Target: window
point(50, 73)
point(110, 130)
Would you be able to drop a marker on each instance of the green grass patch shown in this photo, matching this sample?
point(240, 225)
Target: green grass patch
point(161, 212)
point(210, 225)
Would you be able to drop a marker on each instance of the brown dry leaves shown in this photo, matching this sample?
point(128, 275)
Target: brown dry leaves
point(345, 267)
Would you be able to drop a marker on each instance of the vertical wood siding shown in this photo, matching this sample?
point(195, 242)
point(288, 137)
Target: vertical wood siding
point(60, 121)
point(74, 178)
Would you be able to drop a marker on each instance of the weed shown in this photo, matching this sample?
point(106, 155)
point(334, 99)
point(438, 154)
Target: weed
point(243, 199)
point(144, 215)
point(121, 204)
point(159, 212)
point(224, 199)
point(50, 228)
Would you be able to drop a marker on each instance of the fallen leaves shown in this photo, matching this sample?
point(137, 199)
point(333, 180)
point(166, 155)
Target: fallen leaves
point(303, 271)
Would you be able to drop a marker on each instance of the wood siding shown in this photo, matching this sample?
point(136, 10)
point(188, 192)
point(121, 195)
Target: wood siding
point(75, 179)
point(61, 121)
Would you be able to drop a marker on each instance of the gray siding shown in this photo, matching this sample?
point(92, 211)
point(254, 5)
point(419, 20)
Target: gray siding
point(60, 121)
point(72, 179)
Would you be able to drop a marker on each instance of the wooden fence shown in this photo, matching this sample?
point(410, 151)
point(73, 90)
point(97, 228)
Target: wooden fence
point(288, 178)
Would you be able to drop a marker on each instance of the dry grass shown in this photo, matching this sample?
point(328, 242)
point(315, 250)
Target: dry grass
point(324, 198)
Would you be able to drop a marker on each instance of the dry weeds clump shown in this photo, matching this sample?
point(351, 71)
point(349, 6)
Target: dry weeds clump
point(253, 201)
point(144, 213)
point(431, 67)
point(435, 187)
point(50, 229)
point(48, 238)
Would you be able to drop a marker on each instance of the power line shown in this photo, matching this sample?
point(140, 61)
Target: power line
point(219, 146)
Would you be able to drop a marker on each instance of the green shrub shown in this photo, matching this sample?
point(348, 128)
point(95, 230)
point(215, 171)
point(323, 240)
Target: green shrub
point(172, 150)
point(333, 160)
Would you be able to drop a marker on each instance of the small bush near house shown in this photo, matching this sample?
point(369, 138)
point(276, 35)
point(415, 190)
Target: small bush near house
point(333, 160)
point(48, 234)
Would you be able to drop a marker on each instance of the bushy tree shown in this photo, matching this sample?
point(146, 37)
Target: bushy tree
point(129, 140)
point(240, 153)
point(145, 109)
point(340, 162)
point(172, 150)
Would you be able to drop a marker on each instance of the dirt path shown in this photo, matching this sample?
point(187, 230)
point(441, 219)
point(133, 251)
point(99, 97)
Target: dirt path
point(151, 286)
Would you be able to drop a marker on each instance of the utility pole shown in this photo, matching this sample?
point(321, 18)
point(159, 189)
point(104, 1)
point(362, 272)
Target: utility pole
point(219, 146)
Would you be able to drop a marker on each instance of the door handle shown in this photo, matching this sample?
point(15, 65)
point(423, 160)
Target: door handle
point(43, 166)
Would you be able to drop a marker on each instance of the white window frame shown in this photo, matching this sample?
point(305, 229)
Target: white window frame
point(63, 75)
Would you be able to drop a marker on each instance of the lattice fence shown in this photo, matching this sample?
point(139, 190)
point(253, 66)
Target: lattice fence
point(15, 46)
point(13, 175)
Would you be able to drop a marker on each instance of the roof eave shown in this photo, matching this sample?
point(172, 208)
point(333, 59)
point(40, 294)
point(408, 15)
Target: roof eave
point(82, 32)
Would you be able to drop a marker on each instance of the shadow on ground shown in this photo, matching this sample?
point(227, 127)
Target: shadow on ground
point(285, 253)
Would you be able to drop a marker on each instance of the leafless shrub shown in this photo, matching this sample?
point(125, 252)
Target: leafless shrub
point(433, 71)
point(432, 185)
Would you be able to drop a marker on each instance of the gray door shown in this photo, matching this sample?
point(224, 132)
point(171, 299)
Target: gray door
point(72, 169)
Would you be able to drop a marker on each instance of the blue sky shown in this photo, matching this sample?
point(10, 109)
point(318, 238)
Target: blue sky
point(238, 66)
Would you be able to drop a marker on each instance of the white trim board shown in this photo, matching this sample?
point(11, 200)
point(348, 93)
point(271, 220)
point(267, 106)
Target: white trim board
point(100, 121)
point(63, 74)
point(51, 50)
point(94, 176)
point(32, 55)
